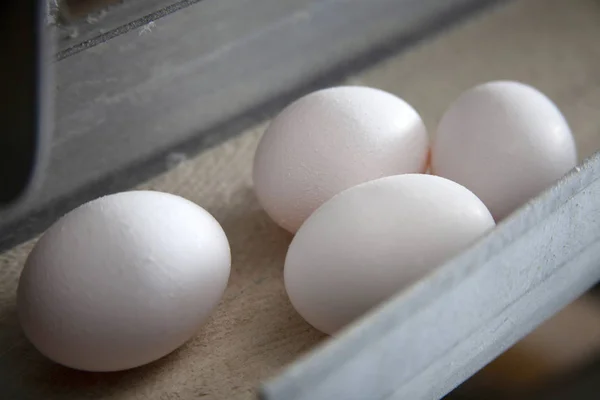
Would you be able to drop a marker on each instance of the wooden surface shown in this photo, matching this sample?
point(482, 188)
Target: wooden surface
point(551, 44)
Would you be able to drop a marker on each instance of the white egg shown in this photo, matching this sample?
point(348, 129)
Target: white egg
point(506, 142)
point(375, 239)
point(123, 280)
point(331, 140)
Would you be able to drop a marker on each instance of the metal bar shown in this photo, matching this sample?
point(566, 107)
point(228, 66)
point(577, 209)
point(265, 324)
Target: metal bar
point(192, 78)
point(25, 105)
point(80, 33)
point(426, 341)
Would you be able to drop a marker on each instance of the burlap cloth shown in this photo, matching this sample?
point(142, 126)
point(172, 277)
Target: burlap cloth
point(552, 45)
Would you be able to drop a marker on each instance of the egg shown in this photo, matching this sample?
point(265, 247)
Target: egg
point(122, 280)
point(331, 140)
point(374, 240)
point(506, 142)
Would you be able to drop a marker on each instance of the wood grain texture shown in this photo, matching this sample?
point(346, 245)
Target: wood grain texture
point(551, 44)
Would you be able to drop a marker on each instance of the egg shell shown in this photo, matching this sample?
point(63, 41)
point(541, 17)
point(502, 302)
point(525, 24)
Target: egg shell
point(123, 280)
point(376, 239)
point(331, 140)
point(506, 142)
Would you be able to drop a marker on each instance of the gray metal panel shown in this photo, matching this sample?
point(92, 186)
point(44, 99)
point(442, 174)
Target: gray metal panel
point(198, 76)
point(111, 21)
point(426, 341)
point(25, 98)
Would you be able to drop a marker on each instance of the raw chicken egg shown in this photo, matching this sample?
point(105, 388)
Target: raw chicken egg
point(331, 140)
point(506, 142)
point(123, 280)
point(375, 239)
